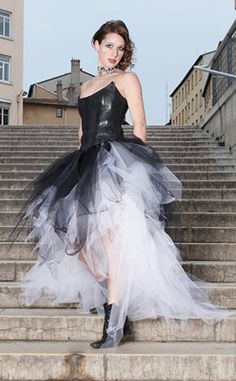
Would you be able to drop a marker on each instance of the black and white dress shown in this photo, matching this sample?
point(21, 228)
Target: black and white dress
point(97, 212)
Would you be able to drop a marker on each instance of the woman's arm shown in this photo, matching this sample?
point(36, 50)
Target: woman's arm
point(80, 131)
point(133, 93)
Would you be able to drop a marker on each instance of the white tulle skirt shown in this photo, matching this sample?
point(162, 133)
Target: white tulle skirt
point(97, 216)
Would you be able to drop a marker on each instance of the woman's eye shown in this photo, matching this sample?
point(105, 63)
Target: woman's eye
point(110, 46)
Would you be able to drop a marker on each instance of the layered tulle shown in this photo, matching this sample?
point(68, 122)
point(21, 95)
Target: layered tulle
point(97, 215)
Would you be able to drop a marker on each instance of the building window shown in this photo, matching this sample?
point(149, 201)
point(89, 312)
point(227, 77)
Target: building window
point(192, 106)
point(183, 117)
point(59, 112)
point(5, 24)
point(188, 85)
point(196, 102)
point(191, 81)
point(195, 77)
point(4, 115)
point(200, 98)
point(4, 68)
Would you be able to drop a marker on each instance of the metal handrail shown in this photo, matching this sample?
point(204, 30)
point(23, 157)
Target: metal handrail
point(222, 73)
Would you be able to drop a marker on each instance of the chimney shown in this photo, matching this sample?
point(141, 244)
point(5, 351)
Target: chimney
point(71, 94)
point(75, 76)
point(59, 91)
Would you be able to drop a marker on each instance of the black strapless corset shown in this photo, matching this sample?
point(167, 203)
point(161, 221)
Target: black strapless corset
point(102, 114)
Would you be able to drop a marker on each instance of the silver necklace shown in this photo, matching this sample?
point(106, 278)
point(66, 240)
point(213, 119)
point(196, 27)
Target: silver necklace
point(105, 70)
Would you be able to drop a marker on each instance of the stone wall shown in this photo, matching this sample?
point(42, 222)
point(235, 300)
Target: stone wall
point(221, 120)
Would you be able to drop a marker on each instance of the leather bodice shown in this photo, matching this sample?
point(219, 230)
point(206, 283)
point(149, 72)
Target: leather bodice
point(102, 115)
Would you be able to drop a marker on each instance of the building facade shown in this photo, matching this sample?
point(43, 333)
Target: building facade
point(220, 93)
point(55, 100)
point(11, 61)
point(187, 103)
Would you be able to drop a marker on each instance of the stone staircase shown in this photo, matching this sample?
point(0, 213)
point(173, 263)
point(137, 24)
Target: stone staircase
point(50, 342)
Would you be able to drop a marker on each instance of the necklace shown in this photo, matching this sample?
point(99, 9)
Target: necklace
point(105, 70)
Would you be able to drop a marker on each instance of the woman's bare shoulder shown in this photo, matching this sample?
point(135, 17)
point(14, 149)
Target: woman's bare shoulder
point(129, 82)
point(128, 79)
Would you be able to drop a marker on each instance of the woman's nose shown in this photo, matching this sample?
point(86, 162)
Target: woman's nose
point(115, 53)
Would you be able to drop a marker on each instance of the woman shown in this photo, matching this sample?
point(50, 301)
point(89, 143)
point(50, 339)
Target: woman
point(97, 211)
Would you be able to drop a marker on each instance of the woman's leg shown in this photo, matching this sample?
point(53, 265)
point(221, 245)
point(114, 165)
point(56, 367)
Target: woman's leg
point(107, 239)
point(112, 262)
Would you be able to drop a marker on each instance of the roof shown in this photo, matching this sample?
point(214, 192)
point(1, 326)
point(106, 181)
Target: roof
point(53, 102)
point(57, 76)
point(189, 71)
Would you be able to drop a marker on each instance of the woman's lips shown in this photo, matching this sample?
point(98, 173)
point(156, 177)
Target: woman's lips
point(111, 60)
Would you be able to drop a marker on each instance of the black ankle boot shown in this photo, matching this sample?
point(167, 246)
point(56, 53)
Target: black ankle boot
point(126, 331)
point(127, 328)
point(99, 343)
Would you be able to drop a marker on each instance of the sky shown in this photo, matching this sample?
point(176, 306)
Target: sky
point(169, 35)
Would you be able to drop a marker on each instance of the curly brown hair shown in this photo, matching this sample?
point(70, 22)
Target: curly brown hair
point(119, 27)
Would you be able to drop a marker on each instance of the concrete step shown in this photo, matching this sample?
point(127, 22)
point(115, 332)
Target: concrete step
point(188, 194)
point(197, 167)
point(182, 175)
point(223, 294)
point(31, 148)
point(54, 324)
point(179, 164)
point(204, 251)
point(19, 250)
point(26, 160)
point(201, 234)
point(159, 140)
point(193, 184)
point(29, 167)
point(14, 184)
point(178, 234)
point(206, 184)
point(224, 194)
point(30, 134)
point(158, 146)
point(15, 139)
point(205, 175)
point(129, 362)
point(192, 153)
point(188, 251)
point(75, 127)
point(173, 167)
point(196, 205)
point(218, 160)
point(214, 219)
point(44, 160)
point(35, 127)
point(37, 153)
point(212, 271)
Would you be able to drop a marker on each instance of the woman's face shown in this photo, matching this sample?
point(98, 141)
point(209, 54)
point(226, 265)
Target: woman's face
point(111, 50)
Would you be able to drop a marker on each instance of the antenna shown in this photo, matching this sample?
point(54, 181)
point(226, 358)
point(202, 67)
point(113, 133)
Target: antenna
point(167, 110)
